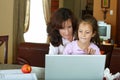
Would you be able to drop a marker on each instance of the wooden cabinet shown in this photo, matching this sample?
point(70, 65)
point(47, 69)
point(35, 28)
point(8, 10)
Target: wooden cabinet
point(108, 49)
point(115, 61)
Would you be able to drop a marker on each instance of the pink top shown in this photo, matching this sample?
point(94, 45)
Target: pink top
point(73, 49)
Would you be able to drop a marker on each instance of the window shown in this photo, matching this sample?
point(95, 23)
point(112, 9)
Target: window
point(37, 26)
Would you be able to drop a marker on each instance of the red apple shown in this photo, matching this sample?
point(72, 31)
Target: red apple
point(26, 68)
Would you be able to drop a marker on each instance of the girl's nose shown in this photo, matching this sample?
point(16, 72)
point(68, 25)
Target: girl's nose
point(83, 34)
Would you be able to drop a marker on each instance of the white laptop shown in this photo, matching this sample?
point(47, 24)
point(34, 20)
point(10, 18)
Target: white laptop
point(74, 67)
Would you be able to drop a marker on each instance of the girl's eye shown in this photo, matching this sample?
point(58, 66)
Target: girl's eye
point(87, 32)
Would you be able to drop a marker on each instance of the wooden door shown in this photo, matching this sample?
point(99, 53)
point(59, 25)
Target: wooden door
point(54, 5)
point(118, 24)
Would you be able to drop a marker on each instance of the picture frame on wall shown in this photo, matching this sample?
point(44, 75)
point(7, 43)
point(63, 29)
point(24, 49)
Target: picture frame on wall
point(105, 3)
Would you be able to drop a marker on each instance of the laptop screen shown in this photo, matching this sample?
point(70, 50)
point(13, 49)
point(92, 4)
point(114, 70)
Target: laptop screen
point(74, 67)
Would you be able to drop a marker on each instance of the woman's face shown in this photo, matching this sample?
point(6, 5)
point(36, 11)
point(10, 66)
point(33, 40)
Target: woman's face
point(67, 30)
point(85, 32)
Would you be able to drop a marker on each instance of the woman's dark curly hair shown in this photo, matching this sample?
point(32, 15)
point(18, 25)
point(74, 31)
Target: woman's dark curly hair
point(93, 22)
point(56, 20)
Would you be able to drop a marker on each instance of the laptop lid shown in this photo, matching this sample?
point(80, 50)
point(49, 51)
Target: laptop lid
point(74, 67)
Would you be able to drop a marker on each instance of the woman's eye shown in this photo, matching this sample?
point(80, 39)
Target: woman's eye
point(80, 31)
point(62, 28)
point(69, 26)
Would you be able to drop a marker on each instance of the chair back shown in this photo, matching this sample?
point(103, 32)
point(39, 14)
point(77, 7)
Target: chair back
point(32, 53)
point(108, 49)
point(4, 39)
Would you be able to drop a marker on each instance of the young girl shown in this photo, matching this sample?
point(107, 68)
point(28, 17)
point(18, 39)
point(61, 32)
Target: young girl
point(87, 38)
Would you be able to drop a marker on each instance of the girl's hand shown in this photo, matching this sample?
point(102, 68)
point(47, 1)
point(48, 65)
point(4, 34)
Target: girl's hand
point(90, 51)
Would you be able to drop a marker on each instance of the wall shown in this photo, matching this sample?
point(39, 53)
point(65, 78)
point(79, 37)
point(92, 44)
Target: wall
point(76, 6)
point(69, 4)
point(111, 19)
point(6, 25)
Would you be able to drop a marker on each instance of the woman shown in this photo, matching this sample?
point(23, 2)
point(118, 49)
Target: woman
point(61, 29)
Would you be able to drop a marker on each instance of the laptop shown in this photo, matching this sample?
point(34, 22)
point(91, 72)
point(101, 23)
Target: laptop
point(74, 67)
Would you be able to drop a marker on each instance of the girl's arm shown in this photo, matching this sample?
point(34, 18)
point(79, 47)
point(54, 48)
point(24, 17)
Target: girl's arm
point(93, 49)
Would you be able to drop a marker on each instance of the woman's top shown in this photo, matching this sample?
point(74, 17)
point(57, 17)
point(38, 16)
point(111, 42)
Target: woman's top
point(58, 50)
point(73, 49)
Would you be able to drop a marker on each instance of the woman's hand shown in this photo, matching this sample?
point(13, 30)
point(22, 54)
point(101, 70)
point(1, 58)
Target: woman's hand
point(90, 51)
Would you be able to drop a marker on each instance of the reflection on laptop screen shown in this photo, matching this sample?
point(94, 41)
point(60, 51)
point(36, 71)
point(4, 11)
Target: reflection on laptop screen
point(74, 67)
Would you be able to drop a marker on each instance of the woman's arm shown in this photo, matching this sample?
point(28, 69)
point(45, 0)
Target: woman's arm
point(53, 50)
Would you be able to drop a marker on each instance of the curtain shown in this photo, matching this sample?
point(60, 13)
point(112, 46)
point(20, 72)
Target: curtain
point(46, 9)
point(18, 24)
point(47, 12)
point(27, 16)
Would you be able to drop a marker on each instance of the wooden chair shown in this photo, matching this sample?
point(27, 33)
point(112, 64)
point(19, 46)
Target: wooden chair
point(108, 49)
point(32, 53)
point(4, 39)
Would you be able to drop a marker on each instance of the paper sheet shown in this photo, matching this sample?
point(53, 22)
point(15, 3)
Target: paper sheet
point(16, 74)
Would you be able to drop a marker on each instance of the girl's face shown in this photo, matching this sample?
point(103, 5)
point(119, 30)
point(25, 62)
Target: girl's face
point(67, 30)
point(85, 32)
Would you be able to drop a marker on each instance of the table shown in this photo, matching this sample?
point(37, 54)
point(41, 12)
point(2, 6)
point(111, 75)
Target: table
point(38, 70)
